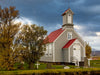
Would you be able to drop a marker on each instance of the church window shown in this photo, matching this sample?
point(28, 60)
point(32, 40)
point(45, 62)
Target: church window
point(76, 47)
point(69, 35)
point(50, 46)
point(47, 49)
point(69, 19)
point(50, 50)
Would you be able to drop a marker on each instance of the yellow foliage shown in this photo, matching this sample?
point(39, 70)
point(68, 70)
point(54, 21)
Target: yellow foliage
point(88, 51)
point(8, 31)
point(60, 71)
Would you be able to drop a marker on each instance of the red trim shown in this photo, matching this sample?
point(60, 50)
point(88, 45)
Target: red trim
point(53, 35)
point(69, 43)
point(65, 12)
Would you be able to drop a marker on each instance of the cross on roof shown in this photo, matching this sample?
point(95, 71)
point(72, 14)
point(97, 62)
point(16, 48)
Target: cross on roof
point(68, 3)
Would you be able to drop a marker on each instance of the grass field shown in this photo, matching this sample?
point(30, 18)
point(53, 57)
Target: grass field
point(44, 66)
point(56, 69)
point(95, 63)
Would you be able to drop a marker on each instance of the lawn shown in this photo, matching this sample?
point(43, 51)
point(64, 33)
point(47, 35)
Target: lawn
point(41, 66)
point(95, 63)
point(44, 66)
point(57, 69)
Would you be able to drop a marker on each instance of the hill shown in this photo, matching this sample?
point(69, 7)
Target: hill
point(95, 52)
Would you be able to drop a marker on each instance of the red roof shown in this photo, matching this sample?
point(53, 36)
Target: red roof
point(53, 35)
point(69, 43)
point(65, 12)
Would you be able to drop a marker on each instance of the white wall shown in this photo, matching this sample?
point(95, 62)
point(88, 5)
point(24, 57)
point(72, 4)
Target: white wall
point(64, 19)
point(69, 19)
point(48, 56)
point(49, 50)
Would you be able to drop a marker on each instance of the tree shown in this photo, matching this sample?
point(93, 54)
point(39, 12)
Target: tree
point(88, 51)
point(32, 38)
point(8, 30)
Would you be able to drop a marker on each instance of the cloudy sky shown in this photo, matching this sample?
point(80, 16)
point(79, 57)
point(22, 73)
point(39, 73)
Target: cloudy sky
point(47, 13)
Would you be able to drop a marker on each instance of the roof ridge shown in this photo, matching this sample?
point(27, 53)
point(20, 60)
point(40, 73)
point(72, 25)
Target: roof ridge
point(65, 11)
point(54, 34)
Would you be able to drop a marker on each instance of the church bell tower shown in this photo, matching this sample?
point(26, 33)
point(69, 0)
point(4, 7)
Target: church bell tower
point(67, 19)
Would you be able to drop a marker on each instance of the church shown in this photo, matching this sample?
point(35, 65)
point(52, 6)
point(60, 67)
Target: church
point(65, 45)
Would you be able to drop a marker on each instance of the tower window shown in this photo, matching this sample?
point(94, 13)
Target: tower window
point(69, 35)
point(69, 19)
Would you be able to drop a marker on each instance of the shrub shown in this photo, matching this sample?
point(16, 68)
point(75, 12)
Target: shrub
point(85, 71)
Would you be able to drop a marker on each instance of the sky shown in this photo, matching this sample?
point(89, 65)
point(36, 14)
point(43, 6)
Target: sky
point(48, 13)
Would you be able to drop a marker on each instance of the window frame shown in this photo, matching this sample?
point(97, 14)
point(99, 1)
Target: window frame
point(69, 34)
point(69, 18)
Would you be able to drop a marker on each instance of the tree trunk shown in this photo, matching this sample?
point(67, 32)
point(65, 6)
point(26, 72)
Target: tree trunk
point(31, 66)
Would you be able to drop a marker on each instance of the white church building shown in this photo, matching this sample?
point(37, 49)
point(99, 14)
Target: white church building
point(65, 45)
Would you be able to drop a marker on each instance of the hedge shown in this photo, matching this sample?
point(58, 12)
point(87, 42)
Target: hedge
point(54, 71)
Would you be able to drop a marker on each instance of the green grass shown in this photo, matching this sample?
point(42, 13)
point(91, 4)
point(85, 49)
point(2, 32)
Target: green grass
point(57, 66)
point(95, 63)
point(72, 66)
point(18, 65)
point(41, 66)
point(56, 69)
point(44, 66)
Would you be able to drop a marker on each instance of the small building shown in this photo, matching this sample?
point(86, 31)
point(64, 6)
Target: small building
point(65, 45)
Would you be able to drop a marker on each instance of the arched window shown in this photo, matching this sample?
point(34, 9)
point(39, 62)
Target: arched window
point(69, 35)
point(69, 19)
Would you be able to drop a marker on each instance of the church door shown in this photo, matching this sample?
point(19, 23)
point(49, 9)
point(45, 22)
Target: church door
point(76, 54)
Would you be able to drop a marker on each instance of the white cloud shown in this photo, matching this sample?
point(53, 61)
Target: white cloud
point(53, 28)
point(24, 21)
point(57, 26)
point(98, 33)
point(77, 27)
point(93, 40)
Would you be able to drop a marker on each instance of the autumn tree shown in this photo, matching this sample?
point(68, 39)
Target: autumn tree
point(32, 38)
point(88, 50)
point(8, 30)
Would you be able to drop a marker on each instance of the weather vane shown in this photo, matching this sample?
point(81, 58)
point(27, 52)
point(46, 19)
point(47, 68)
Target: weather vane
point(68, 3)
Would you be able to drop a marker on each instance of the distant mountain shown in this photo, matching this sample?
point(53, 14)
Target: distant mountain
point(95, 52)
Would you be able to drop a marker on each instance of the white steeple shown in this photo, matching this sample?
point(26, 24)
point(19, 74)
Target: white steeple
point(68, 18)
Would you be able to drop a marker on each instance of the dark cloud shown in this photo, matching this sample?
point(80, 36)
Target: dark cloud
point(48, 12)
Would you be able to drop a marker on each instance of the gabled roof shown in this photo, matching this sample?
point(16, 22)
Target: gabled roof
point(67, 11)
point(69, 43)
point(53, 35)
